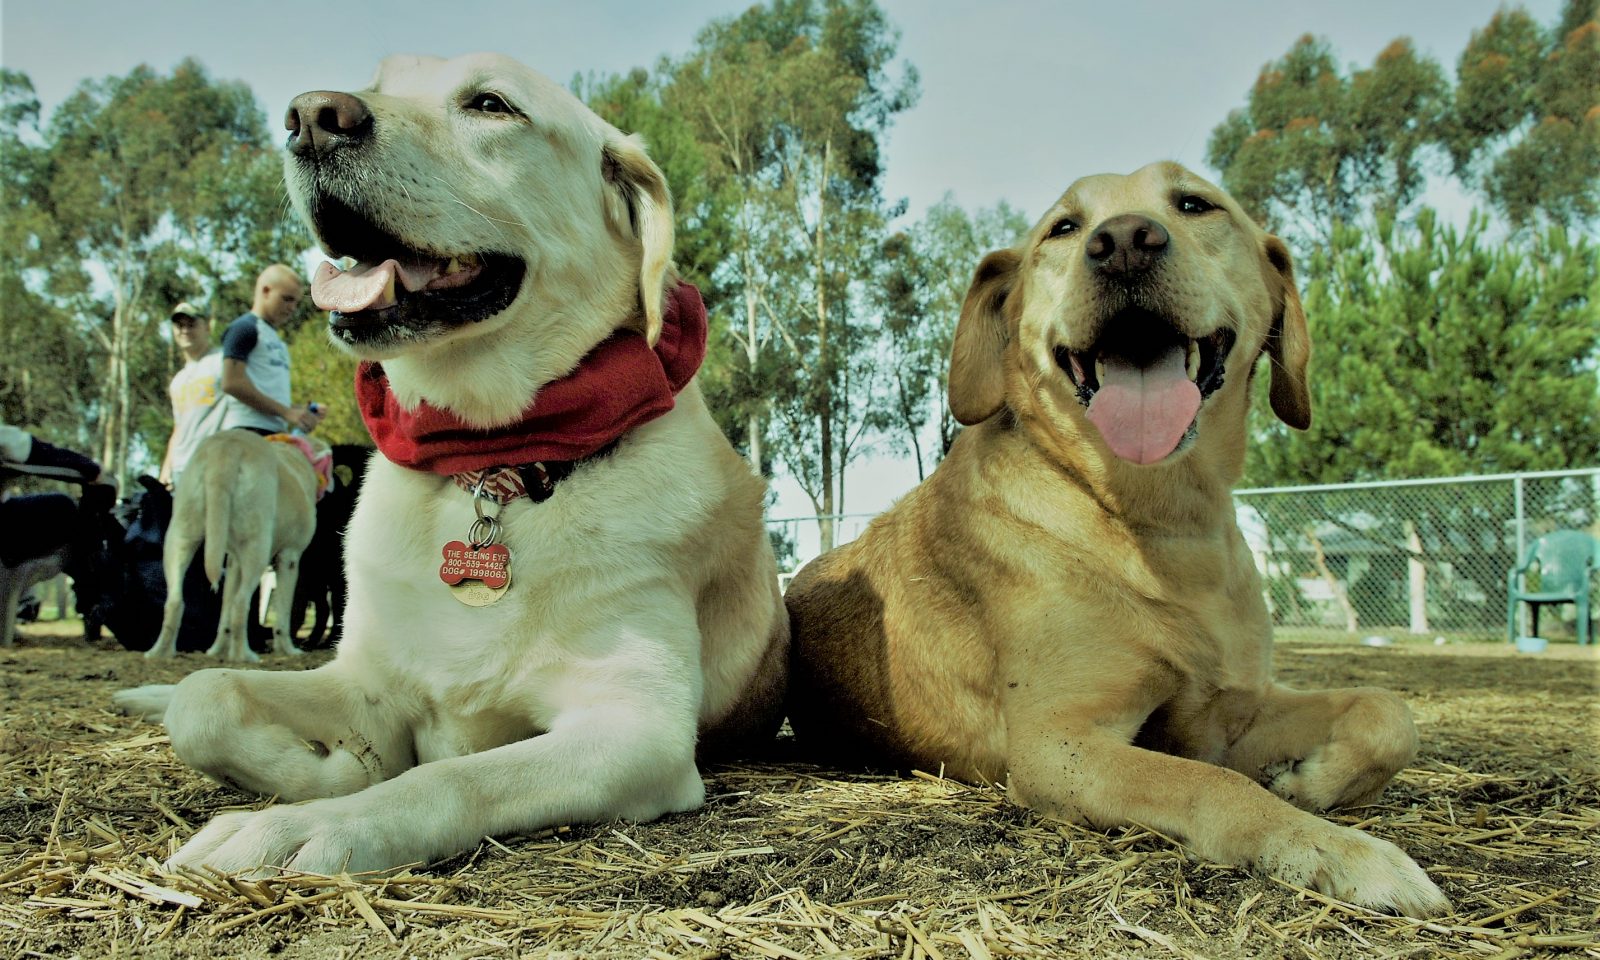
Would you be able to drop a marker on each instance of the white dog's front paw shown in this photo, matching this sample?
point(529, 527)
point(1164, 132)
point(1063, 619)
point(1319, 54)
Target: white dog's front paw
point(316, 837)
point(146, 703)
point(1356, 868)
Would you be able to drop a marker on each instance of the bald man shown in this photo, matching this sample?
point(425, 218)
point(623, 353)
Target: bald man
point(255, 362)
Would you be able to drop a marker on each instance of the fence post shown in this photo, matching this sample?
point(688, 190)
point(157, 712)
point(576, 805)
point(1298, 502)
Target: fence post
point(1522, 520)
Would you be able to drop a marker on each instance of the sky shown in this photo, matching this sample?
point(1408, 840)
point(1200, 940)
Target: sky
point(1018, 99)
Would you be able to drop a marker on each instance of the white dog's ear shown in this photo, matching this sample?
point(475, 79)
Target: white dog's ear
point(1288, 343)
point(977, 372)
point(640, 206)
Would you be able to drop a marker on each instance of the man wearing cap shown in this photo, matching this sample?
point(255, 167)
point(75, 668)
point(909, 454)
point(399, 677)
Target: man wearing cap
point(255, 361)
point(195, 390)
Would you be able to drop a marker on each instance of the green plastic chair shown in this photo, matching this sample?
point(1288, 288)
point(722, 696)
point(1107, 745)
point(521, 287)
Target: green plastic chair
point(1565, 558)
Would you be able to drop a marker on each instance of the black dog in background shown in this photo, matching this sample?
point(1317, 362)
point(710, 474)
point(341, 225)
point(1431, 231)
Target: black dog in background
point(50, 533)
point(321, 585)
point(131, 609)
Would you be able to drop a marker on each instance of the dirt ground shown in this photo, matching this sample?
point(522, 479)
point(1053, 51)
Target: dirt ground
point(787, 860)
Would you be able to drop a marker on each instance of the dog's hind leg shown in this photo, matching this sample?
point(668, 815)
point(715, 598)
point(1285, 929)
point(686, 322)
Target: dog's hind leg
point(293, 734)
point(176, 554)
point(11, 588)
point(287, 567)
point(233, 630)
point(1320, 749)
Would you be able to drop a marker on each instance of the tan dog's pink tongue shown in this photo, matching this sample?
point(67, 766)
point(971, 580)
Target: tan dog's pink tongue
point(362, 287)
point(1143, 413)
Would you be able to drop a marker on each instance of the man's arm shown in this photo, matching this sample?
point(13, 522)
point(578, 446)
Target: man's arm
point(237, 343)
point(165, 476)
point(236, 383)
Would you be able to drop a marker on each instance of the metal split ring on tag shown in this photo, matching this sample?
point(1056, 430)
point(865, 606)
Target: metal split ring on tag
point(478, 571)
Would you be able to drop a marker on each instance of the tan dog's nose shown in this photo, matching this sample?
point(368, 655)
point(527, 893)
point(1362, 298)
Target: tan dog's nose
point(1126, 244)
point(324, 120)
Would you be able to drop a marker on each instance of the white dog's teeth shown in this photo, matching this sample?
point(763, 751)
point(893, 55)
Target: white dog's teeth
point(1099, 370)
point(1191, 363)
point(454, 266)
point(388, 289)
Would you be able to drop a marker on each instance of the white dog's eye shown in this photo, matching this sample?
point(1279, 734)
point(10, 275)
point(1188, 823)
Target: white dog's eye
point(1062, 228)
point(1190, 203)
point(489, 103)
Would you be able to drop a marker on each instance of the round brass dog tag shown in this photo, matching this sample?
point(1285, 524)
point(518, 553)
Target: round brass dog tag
point(476, 593)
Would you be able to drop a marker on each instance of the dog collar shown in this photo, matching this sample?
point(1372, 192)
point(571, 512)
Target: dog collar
point(622, 383)
point(536, 481)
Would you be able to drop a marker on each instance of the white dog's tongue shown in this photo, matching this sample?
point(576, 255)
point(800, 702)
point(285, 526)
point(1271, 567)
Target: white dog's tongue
point(1144, 413)
point(368, 286)
point(362, 287)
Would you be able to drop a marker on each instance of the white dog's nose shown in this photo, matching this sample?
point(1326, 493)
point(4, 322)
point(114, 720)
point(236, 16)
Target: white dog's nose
point(324, 120)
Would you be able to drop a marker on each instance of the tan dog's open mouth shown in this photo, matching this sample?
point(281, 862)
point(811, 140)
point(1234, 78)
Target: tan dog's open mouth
point(394, 291)
point(1143, 382)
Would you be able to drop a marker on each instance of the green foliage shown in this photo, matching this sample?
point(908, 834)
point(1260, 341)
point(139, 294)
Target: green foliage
point(1525, 128)
point(1313, 146)
point(923, 277)
point(45, 374)
point(770, 133)
point(141, 191)
point(1440, 353)
point(325, 374)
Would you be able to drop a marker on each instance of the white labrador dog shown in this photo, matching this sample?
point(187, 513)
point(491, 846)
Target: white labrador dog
point(498, 231)
point(252, 500)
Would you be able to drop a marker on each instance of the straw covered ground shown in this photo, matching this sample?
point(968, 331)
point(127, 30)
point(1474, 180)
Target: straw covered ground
point(785, 860)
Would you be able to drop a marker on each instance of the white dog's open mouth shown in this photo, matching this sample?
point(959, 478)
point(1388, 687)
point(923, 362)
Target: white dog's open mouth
point(394, 291)
point(1143, 382)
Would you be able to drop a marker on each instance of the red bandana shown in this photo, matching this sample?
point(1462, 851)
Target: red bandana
point(621, 384)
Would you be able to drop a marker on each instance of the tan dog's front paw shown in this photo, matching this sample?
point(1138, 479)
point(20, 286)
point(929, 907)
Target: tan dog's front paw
point(1356, 868)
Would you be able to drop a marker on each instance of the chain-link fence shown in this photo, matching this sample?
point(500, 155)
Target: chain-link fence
point(1418, 556)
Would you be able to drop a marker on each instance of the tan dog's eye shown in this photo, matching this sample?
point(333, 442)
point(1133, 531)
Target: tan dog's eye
point(1189, 203)
point(489, 103)
point(1062, 228)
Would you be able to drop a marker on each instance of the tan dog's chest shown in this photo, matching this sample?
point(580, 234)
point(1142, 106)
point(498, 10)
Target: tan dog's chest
point(1164, 638)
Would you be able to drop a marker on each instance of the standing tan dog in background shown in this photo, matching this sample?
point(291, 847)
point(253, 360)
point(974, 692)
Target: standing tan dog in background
point(254, 501)
point(1067, 600)
point(501, 239)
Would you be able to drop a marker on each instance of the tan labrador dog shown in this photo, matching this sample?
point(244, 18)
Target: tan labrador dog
point(497, 231)
point(254, 501)
point(1067, 601)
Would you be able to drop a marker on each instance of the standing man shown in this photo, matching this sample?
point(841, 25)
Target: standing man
point(255, 361)
point(196, 390)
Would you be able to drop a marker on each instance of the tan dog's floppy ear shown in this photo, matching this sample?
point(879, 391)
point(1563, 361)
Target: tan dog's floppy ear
point(977, 376)
point(1288, 344)
point(640, 205)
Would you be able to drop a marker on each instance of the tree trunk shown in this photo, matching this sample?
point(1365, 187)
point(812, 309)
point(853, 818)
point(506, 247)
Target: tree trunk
point(825, 368)
point(752, 351)
point(1351, 624)
point(1418, 580)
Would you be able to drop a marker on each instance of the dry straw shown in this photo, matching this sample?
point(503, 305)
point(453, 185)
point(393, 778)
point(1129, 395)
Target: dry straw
point(789, 861)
